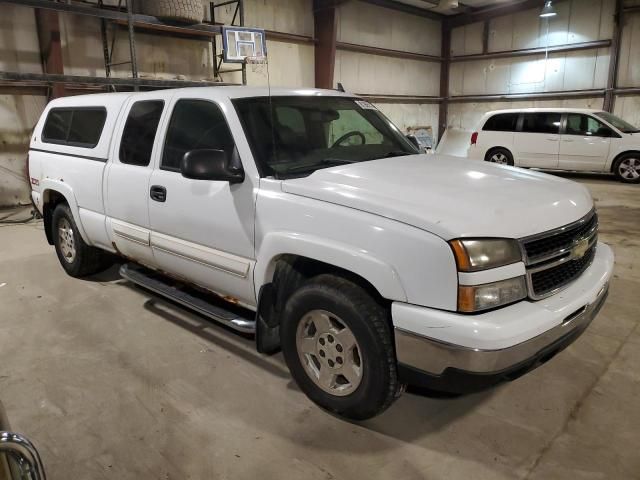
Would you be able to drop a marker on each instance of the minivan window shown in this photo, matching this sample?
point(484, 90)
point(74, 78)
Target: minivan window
point(195, 125)
point(78, 127)
point(140, 132)
point(617, 122)
point(541, 122)
point(503, 122)
point(578, 124)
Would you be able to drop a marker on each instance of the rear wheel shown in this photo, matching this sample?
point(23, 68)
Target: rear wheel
point(337, 343)
point(500, 156)
point(627, 168)
point(76, 257)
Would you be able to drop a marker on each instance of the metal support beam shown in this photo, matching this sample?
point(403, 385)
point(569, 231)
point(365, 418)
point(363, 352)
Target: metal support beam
point(48, 26)
point(352, 47)
point(406, 8)
point(325, 23)
point(559, 95)
point(485, 36)
point(524, 52)
point(445, 67)
point(614, 57)
point(132, 42)
point(491, 12)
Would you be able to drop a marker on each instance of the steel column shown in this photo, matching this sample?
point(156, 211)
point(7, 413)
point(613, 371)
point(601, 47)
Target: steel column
point(614, 58)
point(324, 17)
point(48, 26)
point(445, 67)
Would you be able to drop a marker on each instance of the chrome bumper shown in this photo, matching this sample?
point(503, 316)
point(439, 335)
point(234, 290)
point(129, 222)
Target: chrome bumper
point(434, 357)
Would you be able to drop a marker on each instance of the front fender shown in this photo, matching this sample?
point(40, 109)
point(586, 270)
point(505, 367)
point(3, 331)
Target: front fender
point(48, 185)
point(358, 261)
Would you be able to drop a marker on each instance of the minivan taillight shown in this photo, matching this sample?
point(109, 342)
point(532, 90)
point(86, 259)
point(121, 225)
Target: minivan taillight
point(474, 138)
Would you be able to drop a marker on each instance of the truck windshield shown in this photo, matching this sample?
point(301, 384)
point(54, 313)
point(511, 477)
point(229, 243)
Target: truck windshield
point(617, 122)
point(295, 136)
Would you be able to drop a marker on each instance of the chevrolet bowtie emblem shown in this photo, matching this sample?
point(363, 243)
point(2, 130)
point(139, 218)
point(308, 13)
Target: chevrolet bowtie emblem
point(580, 249)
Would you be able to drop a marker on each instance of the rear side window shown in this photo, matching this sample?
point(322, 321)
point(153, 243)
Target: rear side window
point(78, 127)
point(140, 132)
point(195, 125)
point(541, 122)
point(503, 122)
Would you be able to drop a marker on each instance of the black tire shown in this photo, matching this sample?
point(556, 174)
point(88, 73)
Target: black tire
point(624, 168)
point(369, 322)
point(494, 154)
point(187, 11)
point(87, 260)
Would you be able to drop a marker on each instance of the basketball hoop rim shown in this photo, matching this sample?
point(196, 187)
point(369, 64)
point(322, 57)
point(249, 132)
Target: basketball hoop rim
point(256, 60)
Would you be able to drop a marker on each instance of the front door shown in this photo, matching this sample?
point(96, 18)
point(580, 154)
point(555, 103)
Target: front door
point(585, 143)
point(537, 143)
point(128, 175)
point(202, 230)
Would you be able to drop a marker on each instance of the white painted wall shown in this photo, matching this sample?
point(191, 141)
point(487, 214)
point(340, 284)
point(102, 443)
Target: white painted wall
point(364, 24)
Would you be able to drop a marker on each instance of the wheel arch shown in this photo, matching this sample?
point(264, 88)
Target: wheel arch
point(53, 194)
point(620, 155)
point(497, 147)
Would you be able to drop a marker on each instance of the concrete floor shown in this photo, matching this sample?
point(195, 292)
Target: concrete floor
point(111, 382)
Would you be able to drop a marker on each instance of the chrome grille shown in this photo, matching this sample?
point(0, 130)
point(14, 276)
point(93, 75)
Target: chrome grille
point(556, 258)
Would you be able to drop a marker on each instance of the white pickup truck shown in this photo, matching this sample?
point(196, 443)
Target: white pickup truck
point(305, 217)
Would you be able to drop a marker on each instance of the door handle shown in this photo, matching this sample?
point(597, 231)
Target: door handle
point(158, 193)
point(552, 139)
point(567, 140)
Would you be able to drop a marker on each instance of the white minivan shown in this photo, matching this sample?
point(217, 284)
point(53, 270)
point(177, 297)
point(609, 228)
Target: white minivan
point(559, 139)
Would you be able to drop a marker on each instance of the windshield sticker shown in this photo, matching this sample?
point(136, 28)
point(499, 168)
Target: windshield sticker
point(366, 105)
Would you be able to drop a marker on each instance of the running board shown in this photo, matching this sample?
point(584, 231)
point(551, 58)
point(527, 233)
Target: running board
point(155, 282)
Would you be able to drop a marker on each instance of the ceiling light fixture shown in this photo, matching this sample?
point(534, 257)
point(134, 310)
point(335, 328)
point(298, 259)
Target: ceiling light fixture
point(548, 10)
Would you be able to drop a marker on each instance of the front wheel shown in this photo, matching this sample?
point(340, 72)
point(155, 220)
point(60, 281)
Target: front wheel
point(627, 168)
point(501, 156)
point(338, 346)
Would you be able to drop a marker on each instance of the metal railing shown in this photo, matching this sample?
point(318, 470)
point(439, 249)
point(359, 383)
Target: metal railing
point(19, 458)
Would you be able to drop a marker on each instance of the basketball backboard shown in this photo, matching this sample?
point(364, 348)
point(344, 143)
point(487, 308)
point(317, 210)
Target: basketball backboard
point(239, 43)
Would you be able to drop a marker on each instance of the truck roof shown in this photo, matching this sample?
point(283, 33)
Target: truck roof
point(220, 92)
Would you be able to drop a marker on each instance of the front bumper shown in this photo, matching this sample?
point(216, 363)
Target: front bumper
point(462, 353)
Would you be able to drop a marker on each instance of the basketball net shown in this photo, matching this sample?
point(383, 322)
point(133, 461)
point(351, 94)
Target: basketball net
point(257, 63)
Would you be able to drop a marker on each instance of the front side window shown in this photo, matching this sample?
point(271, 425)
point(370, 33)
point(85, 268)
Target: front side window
point(307, 133)
point(195, 125)
point(78, 127)
point(585, 125)
point(140, 132)
point(541, 123)
point(502, 122)
point(617, 122)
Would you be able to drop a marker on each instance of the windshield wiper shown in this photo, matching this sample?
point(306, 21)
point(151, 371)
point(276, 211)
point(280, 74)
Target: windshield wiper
point(394, 153)
point(324, 161)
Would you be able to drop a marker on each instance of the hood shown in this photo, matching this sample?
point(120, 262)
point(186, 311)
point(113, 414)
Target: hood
point(449, 196)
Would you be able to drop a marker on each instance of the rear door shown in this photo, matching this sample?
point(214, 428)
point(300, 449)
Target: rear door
point(537, 144)
point(128, 175)
point(585, 143)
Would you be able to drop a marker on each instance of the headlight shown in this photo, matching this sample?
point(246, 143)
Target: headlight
point(481, 254)
point(473, 298)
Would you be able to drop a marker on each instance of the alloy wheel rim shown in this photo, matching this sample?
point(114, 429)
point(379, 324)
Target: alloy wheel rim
point(329, 353)
point(66, 240)
point(629, 168)
point(500, 158)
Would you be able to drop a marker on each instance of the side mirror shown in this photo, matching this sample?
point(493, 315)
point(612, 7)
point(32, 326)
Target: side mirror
point(210, 164)
point(414, 141)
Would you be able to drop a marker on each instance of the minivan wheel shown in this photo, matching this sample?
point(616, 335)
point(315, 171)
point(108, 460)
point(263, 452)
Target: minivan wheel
point(338, 346)
point(627, 168)
point(76, 257)
point(501, 156)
